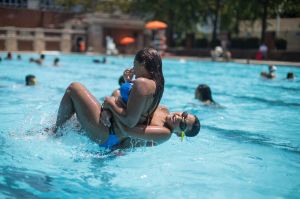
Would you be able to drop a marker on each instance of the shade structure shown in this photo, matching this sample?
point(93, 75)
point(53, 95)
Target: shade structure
point(127, 40)
point(156, 25)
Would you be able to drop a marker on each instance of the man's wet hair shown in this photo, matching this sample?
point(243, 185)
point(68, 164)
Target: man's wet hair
point(28, 79)
point(195, 128)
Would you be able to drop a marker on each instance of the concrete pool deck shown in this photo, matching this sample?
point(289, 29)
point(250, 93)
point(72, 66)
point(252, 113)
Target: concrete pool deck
point(243, 61)
point(267, 62)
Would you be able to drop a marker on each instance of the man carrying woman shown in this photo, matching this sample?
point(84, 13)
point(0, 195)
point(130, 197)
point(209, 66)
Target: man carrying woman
point(111, 124)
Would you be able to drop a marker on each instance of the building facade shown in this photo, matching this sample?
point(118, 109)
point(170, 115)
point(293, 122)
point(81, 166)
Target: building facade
point(29, 25)
point(285, 28)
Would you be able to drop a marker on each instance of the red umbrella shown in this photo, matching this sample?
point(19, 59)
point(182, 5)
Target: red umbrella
point(156, 25)
point(127, 40)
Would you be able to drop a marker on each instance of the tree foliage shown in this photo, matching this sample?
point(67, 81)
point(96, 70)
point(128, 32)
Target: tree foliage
point(183, 16)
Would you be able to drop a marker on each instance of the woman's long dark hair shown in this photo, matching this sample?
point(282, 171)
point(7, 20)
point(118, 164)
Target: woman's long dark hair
point(153, 64)
point(205, 92)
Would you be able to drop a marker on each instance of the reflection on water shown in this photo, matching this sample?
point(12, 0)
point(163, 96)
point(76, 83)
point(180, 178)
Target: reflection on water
point(254, 138)
point(12, 180)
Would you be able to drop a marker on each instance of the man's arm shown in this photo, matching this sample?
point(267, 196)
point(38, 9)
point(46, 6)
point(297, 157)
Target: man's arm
point(136, 104)
point(155, 134)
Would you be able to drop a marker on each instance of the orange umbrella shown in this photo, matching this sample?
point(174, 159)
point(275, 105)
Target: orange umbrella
point(127, 40)
point(156, 25)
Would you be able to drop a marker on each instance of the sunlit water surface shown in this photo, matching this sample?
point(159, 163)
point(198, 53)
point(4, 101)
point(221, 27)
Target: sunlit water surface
point(250, 148)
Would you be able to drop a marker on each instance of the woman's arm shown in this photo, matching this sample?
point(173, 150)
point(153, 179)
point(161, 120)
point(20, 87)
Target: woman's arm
point(139, 94)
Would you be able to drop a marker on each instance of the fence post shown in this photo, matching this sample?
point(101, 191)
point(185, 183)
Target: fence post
point(39, 40)
point(11, 39)
point(65, 44)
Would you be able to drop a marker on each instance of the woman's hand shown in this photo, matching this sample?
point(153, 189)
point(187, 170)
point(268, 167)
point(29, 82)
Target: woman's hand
point(105, 117)
point(108, 101)
point(128, 74)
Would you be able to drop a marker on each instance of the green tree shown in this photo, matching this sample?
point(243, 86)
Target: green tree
point(182, 17)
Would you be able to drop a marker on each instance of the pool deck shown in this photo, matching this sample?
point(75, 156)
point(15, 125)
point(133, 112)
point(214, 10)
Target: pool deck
point(267, 62)
point(244, 61)
point(241, 61)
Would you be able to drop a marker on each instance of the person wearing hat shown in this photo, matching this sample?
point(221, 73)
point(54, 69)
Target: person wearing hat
point(271, 74)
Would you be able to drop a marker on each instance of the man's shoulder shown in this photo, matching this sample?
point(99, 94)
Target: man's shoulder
point(163, 108)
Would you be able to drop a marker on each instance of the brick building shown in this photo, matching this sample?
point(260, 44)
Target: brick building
point(32, 25)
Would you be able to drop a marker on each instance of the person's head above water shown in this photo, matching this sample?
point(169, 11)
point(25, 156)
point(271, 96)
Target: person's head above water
point(148, 64)
point(30, 80)
point(290, 75)
point(203, 93)
point(55, 62)
point(42, 56)
point(183, 122)
point(9, 55)
point(272, 69)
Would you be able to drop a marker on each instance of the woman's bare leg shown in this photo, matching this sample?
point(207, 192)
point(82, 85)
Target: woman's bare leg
point(77, 99)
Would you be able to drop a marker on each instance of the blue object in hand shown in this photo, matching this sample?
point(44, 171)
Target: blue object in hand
point(125, 91)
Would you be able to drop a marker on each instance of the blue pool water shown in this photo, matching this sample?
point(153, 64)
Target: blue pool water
point(248, 149)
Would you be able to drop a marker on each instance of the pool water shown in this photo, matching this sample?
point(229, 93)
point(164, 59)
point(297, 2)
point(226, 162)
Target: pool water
point(250, 148)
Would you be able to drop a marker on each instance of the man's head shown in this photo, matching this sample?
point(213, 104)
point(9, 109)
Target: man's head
point(30, 80)
point(184, 122)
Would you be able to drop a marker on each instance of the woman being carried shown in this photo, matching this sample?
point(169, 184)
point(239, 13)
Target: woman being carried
point(118, 135)
point(144, 98)
point(161, 127)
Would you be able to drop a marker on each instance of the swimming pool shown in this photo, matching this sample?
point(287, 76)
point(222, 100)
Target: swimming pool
point(248, 149)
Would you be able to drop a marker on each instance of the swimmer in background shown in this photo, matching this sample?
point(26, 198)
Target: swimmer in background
point(30, 80)
point(55, 62)
point(9, 56)
point(271, 74)
point(290, 76)
point(97, 61)
point(203, 93)
point(37, 61)
point(40, 60)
